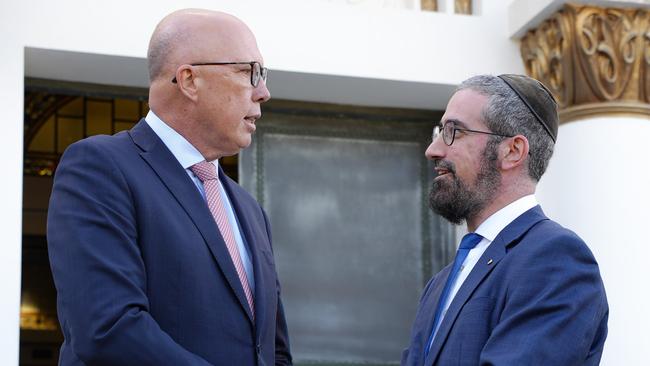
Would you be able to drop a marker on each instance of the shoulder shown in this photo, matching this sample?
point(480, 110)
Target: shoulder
point(100, 144)
point(549, 254)
point(549, 260)
point(110, 155)
point(96, 162)
point(548, 237)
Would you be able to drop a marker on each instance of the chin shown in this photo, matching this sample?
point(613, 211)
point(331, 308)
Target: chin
point(245, 144)
point(245, 141)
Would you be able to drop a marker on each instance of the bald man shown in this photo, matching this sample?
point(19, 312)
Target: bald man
point(158, 257)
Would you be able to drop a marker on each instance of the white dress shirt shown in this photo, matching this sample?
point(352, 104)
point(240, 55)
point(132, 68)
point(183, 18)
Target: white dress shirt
point(187, 155)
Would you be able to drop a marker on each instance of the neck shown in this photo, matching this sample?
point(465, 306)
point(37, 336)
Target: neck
point(506, 195)
point(181, 119)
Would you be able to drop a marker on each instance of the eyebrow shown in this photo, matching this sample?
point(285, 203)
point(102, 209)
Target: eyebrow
point(457, 122)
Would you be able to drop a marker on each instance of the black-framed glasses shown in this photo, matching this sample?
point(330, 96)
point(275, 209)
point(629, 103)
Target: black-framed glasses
point(257, 71)
point(448, 132)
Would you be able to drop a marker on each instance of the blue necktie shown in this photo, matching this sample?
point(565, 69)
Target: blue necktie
point(468, 243)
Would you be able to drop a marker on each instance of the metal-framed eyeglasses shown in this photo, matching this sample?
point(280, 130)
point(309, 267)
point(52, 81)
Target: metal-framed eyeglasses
point(448, 132)
point(257, 71)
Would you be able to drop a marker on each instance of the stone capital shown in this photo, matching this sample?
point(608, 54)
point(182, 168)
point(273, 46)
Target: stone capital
point(595, 60)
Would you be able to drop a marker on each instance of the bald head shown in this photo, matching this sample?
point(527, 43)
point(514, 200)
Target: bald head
point(194, 35)
point(206, 80)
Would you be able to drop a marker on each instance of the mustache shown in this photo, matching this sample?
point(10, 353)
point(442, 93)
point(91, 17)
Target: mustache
point(444, 164)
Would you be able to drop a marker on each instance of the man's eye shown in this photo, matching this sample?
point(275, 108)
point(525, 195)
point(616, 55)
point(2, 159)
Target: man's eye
point(460, 132)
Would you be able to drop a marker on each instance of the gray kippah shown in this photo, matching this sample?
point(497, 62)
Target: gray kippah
point(537, 98)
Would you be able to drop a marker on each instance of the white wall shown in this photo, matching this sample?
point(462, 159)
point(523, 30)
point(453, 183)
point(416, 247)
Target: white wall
point(322, 51)
point(597, 185)
point(11, 101)
point(304, 38)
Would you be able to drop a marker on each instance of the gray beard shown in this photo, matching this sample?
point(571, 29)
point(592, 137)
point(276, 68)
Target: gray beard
point(455, 200)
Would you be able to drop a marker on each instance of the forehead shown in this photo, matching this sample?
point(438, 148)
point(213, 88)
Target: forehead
point(229, 40)
point(466, 106)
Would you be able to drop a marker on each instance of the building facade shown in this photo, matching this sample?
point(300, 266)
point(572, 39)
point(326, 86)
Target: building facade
point(357, 86)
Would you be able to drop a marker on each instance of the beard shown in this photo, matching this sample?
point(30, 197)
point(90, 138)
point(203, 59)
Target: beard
point(454, 199)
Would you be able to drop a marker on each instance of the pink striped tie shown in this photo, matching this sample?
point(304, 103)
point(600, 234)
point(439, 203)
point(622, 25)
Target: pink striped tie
point(207, 173)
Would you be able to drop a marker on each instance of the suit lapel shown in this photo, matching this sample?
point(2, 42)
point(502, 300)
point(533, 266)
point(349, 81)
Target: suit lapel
point(251, 236)
point(497, 250)
point(178, 182)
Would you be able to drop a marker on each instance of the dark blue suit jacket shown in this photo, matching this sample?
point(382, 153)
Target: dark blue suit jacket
point(142, 273)
point(534, 298)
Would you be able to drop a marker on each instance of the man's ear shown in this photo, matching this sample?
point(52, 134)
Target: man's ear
point(186, 82)
point(514, 152)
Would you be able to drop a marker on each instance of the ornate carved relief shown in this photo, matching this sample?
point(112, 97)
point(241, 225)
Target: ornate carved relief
point(463, 6)
point(646, 67)
point(545, 52)
point(587, 55)
point(431, 5)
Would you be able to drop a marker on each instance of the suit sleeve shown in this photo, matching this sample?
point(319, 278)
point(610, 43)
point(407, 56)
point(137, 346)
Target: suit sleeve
point(98, 268)
point(556, 309)
point(282, 351)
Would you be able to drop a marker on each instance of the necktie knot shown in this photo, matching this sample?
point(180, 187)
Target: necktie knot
point(204, 171)
point(470, 241)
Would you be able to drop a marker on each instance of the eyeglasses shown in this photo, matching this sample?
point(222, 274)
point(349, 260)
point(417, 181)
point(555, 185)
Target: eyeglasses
point(257, 71)
point(449, 132)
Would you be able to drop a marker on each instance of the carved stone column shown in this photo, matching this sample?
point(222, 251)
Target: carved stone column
point(597, 63)
point(595, 60)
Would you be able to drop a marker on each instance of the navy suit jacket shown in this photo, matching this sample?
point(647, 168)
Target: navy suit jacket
point(142, 273)
point(534, 298)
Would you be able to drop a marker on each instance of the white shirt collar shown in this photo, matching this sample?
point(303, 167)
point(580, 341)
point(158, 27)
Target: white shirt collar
point(493, 225)
point(186, 154)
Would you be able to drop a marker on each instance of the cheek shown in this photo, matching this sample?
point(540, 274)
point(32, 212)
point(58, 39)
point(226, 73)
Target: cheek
point(236, 104)
point(467, 168)
point(473, 171)
point(225, 109)
point(231, 106)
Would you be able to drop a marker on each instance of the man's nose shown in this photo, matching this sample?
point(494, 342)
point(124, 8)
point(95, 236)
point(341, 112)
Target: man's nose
point(261, 93)
point(437, 149)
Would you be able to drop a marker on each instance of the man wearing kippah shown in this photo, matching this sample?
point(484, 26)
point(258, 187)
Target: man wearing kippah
point(522, 290)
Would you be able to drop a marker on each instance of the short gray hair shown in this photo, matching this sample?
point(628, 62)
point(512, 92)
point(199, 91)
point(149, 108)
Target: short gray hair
point(506, 114)
point(162, 44)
